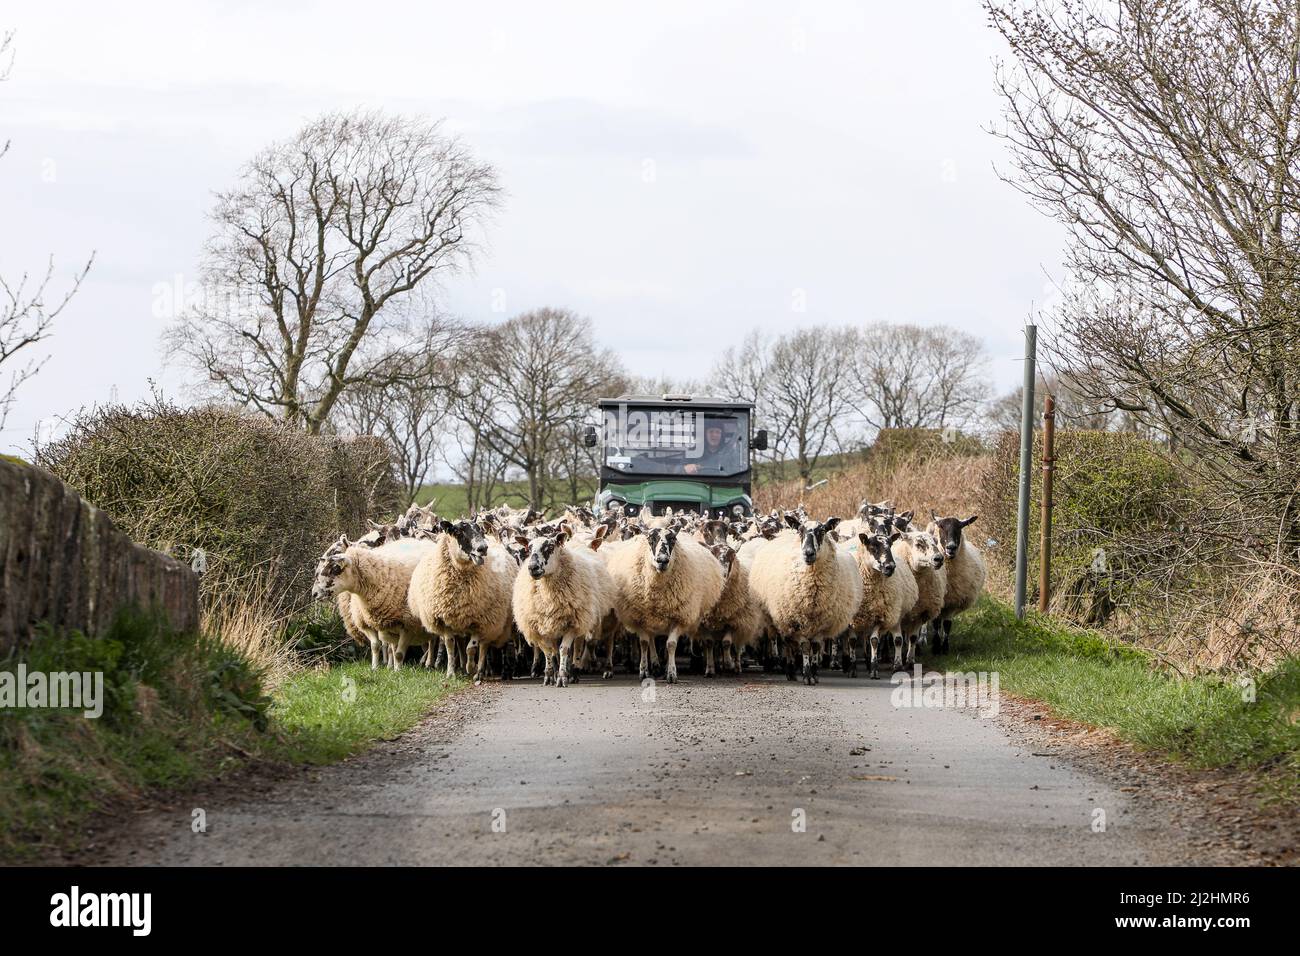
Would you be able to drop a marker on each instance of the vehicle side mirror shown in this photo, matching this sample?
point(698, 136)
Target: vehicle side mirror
point(760, 440)
point(589, 436)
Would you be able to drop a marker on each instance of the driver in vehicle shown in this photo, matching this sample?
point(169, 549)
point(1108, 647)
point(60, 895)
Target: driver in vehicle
point(716, 454)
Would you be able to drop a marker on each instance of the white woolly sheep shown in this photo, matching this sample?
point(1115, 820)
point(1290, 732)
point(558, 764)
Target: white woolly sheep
point(964, 569)
point(924, 556)
point(461, 589)
point(810, 587)
point(376, 580)
point(735, 621)
point(664, 583)
point(888, 589)
point(560, 597)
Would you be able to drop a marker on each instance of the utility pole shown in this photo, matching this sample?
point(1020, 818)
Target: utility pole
point(1045, 525)
point(1026, 463)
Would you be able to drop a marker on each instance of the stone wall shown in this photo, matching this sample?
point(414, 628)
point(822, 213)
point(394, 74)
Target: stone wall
point(63, 562)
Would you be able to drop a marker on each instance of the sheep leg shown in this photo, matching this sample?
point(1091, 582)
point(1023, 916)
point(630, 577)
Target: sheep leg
point(708, 659)
point(449, 645)
point(441, 661)
point(849, 657)
point(566, 661)
point(654, 655)
point(399, 654)
point(911, 640)
point(549, 677)
point(647, 648)
point(539, 661)
point(728, 664)
point(670, 655)
point(609, 657)
point(875, 653)
point(947, 632)
point(376, 651)
point(788, 650)
point(427, 660)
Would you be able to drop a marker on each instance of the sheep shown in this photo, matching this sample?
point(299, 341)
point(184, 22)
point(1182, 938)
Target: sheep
point(924, 556)
point(811, 588)
point(888, 589)
point(560, 597)
point(664, 583)
point(376, 580)
point(461, 589)
point(736, 620)
point(965, 573)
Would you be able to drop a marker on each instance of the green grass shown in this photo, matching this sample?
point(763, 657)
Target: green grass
point(178, 710)
point(331, 714)
point(1203, 721)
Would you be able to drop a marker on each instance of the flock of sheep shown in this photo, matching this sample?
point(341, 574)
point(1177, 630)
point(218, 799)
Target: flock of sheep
point(781, 587)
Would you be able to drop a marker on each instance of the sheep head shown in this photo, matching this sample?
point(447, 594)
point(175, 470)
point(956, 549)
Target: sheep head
point(877, 546)
point(947, 531)
point(334, 573)
point(924, 550)
point(542, 551)
point(813, 535)
point(662, 542)
point(471, 544)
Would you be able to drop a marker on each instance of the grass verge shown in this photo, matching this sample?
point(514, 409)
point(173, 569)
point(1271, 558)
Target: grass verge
point(177, 710)
point(328, 714)
point(1205, 721)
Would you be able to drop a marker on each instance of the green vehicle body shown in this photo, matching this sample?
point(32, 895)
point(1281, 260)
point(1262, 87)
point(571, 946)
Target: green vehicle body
point(627, 487)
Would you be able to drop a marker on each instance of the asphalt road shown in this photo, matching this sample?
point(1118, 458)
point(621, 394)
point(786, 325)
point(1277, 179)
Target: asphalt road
point(718, 771)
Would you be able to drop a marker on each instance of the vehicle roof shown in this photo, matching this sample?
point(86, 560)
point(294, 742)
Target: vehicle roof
point(686, 401)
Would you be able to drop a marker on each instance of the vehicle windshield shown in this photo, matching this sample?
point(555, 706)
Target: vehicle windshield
point(676, 441)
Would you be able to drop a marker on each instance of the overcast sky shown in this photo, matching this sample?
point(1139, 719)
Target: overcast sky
point(678, 172)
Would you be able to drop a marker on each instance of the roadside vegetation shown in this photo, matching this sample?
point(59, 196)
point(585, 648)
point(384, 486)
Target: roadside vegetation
point(1208, 721)
point(179, 710)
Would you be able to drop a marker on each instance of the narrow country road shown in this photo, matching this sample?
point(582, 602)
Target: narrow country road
point(708, 772)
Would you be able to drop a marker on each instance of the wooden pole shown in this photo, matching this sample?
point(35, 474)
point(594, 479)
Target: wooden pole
point(1045, 541)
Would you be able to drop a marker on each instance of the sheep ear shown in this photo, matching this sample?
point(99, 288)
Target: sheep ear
point(521, 541)
point(864, 537)
point(446, 527)
point(831, 523)
point(971, 520)
point(562, 536)
point(793, 521)
point(893, 537)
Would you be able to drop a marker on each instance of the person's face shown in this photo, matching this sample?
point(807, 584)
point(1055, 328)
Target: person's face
point(713, 437)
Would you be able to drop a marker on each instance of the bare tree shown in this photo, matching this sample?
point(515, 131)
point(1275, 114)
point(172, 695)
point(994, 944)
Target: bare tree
point(408, 413)
point(542, 373)
point(480, 467)
point(1166, 135)
point(912, 376)
point(798, 385)
point(26, 314)
point(317, 254)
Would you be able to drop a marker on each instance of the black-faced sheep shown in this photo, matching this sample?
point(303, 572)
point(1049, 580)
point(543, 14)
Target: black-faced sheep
point(888, 589)
point(664, 583)
point(965, 572)
point(810, 588)
point(461, 589)
point(560, 598)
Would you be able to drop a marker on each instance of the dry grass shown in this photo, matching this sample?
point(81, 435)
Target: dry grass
point(253, 628)
point(912, 481)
